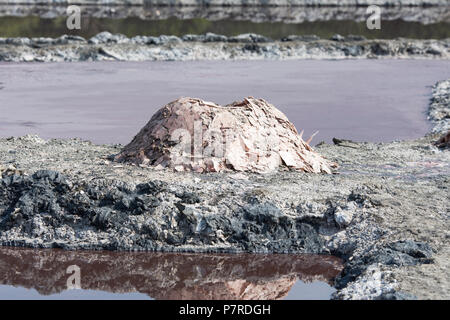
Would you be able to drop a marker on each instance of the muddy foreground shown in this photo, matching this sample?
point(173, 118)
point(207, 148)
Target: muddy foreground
point(385, 212)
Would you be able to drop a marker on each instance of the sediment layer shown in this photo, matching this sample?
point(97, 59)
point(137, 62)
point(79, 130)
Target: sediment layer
point(107, 46)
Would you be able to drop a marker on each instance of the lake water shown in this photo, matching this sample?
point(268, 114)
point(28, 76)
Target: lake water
point(273, 22)
point(108, 102)
point(132, 26)
point(43, 274)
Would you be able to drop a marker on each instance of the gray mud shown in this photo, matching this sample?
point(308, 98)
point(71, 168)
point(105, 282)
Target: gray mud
point(107, 46)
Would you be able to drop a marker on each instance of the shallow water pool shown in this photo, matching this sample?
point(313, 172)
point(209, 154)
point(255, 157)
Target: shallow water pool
point(48, 274)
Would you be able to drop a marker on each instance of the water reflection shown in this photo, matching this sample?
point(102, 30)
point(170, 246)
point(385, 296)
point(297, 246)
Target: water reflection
point(166, 275)
point(34, 26)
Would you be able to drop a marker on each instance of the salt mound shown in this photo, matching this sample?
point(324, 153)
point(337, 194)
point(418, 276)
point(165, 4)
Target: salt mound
point(190, 134)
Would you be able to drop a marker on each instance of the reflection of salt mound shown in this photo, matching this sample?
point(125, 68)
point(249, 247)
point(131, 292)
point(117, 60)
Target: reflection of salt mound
point(193, 135)
point(167, 275)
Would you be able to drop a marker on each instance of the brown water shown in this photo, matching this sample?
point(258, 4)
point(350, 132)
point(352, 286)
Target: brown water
point(42, 274)
point(108, 102)
point(32, 26)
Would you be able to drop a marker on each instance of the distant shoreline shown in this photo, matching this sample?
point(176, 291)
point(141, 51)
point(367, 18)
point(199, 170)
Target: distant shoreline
point(242, 3)
point(107, 46)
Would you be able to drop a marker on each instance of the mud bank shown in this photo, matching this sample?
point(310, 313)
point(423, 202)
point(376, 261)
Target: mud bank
point(107, 46)
point(385, 213)
point(423, 15)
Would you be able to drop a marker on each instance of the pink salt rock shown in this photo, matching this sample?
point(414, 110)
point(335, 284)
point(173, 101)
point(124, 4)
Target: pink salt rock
point(190, 134)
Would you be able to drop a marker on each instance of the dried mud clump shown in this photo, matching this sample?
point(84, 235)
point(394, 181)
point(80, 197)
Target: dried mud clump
point(444, 141)
point(190, 134)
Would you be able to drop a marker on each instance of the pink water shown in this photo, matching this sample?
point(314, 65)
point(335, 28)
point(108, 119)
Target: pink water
point(108, 102)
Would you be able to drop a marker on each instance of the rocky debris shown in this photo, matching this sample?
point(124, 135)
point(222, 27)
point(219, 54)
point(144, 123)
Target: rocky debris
point(348, 38)
point(414, 252)
point(439, 108)
point(344, 216)
point(249, 38)
point(305, 38)
point(107, 37)
point(372, 283)
point(367, 278)
point(444, 141)
point(41, 42)
point(167, 275)
point(252, 135)
point(346, 143)
point(49, 210)
point(9, 171)
point(208, 37)
point(337, 37)
point(107, 46)
point(285, 14)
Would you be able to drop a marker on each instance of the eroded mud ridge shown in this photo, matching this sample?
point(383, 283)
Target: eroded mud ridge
point(167, 275)
point(107, 46)
point(425, 15)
